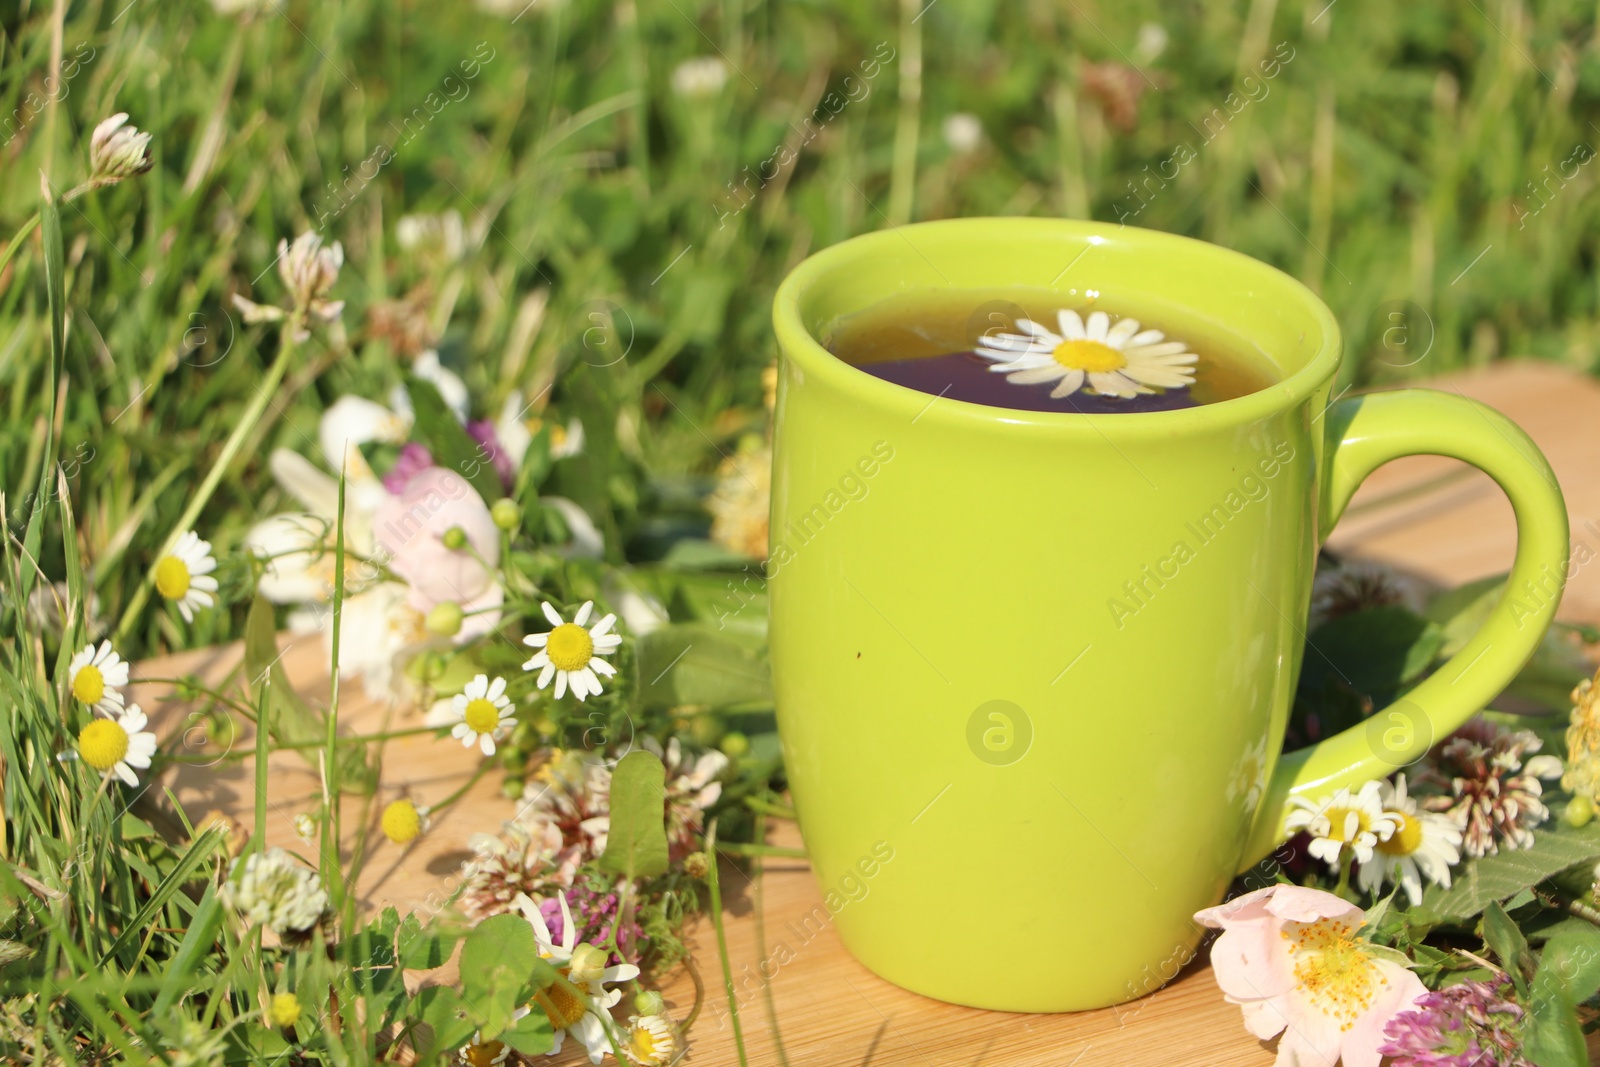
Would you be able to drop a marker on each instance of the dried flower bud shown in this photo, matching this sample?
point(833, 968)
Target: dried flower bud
point(695, 865)
point(117, 151)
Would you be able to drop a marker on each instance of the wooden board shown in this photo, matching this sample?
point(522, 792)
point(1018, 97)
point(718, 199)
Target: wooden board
point(830, 1009)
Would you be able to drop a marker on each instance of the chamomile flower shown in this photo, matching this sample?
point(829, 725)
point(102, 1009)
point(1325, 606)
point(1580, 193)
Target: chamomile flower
point(1355, 821)
point(1423, 844)
point(588, 1018)
point(481, 1053)
point(482, 713)
point(184, 575)
point(96, 677)
point(116, 746)
point(404, 821)
point(651, 1041)
point(570, 654)
point(1113, 360)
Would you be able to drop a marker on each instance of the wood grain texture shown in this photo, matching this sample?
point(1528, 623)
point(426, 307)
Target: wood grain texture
point(789, 964)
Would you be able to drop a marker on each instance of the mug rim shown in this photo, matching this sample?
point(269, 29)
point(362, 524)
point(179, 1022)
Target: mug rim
point(796, 342)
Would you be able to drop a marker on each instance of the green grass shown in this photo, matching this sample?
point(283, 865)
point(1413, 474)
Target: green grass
point(1387, 164)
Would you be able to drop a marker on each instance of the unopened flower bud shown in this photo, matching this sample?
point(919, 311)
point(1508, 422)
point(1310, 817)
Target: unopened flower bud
point(444, 620)
point(696, 865)
point(507, 514)
point(734, 744)
point(588, 964)
point(649, 1002)
point(1580, 810)
point(455, 539)
point(117, 151)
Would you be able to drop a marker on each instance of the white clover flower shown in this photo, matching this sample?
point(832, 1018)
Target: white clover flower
point(309, 272)
point(700, 77)
point(274, 891)
point(963, 132)
point(117, 151)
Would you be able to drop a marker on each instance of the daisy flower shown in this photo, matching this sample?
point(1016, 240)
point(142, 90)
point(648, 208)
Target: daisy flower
point(1119, 360)
point(184, 575)
point(116, 746)
point(1422, 844)
point(589, 1022)
point(571, 654)
point(483, 713)
point(1345, 820)
point(95, 677)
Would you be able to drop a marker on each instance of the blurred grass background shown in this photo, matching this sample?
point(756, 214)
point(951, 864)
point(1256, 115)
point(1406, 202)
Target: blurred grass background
point(1425, 166)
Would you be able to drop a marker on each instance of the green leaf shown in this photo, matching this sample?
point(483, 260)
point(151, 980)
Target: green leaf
point(1374, 651)
point(1554, 1037)
point(289, 719)
point(185, 869)
point(499, 949)
point(448, 441)
point(693, 664)
point(1572, 958)
point(636, 846)
point(530, 1035)
point(1479, 882)
point(192, 951)
point(1502, 935)
point(423, 949)
point(443, 1010)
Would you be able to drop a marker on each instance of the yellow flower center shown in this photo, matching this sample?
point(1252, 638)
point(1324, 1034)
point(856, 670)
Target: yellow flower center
point(481, 716)
point(1334, 969)
point(89, 685)
point(1339, 824)
point(401, 822)
point(1407, 837)
point(285, 1010)
point(561, 1006)
point(102, 744)
point(484, 1055)
point(1091, 357)
point(172, 577)
point(644, 1045)
point(570, 647)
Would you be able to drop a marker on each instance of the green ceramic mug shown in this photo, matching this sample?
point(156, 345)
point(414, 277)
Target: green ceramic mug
point(1015, 794)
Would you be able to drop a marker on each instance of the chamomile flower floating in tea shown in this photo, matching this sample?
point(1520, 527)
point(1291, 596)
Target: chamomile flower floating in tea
point(1355, 821)
point(184, 575)
point(1423, 845)
point(1113, 360)
point(96, 676)
point(570, 654)
point(117, 746)
point(482, 713)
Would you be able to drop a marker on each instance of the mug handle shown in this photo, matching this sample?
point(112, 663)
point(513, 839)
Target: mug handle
point(1364, 433)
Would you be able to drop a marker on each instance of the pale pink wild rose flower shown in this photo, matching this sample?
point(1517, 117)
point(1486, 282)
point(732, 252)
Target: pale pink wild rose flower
point(410, 529)
point(1293, 960)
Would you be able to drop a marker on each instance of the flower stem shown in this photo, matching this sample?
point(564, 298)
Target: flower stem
point(722, 942)
point(241, 430)
point(1346, 861)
